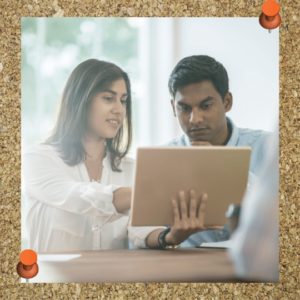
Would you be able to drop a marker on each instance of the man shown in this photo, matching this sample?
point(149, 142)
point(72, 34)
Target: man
point(200, 101)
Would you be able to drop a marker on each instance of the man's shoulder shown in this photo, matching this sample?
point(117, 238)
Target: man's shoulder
point(176, 142)
point(254, 136)
point(254, 132)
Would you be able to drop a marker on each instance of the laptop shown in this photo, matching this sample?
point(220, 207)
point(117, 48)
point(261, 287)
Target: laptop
point(160, 172)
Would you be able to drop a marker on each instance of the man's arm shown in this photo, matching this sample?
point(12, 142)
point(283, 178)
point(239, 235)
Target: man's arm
point(152, 238)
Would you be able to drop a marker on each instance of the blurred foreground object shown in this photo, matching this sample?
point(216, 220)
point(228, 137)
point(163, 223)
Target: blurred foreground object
point(255, 249)
point(233, 215)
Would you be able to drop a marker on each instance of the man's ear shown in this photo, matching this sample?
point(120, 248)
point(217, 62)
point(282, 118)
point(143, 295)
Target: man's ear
point(173, 105)
point(228, 101)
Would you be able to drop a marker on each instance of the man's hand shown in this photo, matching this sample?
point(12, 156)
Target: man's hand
point(188, 224)
point(201, 143)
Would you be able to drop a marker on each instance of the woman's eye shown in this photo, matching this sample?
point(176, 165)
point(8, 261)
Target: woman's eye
point(123, 102)
point(108, 98)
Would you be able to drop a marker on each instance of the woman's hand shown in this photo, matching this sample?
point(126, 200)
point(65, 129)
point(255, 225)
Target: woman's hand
point(189, 222)
point(122, 199)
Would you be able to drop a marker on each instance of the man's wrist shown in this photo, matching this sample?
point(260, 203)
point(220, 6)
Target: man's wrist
point(169, 239)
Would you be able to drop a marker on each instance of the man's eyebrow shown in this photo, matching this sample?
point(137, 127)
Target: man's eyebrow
point(113, 92)
point(182, 103)
point(209, 98)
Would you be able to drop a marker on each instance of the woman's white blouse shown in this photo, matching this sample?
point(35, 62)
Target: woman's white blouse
point(67, 212)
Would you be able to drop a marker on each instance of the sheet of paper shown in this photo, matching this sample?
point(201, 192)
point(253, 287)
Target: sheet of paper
point(225, 245)
point(56, 257)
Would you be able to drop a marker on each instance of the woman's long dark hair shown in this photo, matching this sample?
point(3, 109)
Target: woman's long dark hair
point(87, 79)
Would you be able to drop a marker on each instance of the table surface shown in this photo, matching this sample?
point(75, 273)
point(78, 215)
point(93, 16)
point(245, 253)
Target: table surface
point(140, 265)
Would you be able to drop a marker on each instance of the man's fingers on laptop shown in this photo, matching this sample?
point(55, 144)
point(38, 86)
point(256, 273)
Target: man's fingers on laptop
point(201, 210)
point(183, 209)
point(192, 209)
point(176, 213)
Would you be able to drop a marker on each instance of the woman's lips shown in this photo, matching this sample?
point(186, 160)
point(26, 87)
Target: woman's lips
point(114, 123)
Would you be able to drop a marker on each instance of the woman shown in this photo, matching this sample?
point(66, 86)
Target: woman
point(77, 197)
point(77, 182)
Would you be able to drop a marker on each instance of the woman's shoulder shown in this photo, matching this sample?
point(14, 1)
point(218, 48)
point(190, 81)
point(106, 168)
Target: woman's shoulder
point(127, 165)
point(41, 149)
point(128, 160)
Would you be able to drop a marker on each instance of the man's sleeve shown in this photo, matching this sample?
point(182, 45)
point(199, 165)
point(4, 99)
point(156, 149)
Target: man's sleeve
point(139, 234)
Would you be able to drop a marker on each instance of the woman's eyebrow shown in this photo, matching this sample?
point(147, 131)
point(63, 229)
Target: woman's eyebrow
point(113, 92)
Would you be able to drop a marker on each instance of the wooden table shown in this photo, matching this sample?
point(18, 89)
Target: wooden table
point(142, 265)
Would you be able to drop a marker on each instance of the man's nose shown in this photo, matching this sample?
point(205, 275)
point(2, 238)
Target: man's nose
point(196, 116)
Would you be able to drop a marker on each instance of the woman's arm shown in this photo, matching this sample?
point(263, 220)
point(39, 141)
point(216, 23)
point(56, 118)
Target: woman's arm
point(122, 199)
point(47, 182)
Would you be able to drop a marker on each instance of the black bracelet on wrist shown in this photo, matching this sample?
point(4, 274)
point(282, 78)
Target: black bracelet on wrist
point(158, 239)
point(162, 237)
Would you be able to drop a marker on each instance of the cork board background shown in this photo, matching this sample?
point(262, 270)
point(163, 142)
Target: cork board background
point(10, 152)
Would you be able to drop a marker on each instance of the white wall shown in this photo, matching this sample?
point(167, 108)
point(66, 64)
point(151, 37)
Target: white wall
point(250, 55)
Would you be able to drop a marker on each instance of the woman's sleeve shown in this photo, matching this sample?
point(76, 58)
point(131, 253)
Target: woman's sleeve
point(48, 183)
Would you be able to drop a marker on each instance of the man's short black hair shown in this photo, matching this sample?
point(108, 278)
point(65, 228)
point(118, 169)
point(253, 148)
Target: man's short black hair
point(197, 68)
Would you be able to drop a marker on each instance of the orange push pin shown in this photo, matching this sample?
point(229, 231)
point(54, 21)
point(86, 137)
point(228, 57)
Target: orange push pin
point(27, 267)
point(270, 18)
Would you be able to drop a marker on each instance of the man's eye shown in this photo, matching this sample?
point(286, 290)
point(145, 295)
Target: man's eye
point(207, 105)
point(183, 108)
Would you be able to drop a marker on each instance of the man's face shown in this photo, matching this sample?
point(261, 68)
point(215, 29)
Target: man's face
point(201, 111)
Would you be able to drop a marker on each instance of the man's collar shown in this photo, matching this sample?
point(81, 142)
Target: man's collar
point(232, 141)
point(234, 133)
point(187, 140)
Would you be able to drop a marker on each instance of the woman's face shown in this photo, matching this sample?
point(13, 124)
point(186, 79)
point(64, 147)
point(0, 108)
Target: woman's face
point(107, 110)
